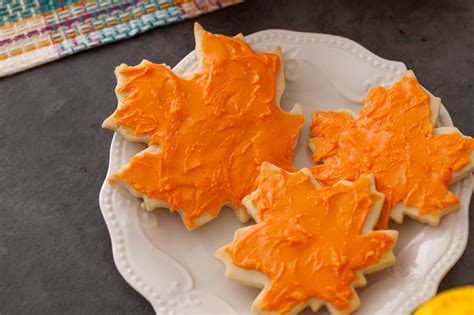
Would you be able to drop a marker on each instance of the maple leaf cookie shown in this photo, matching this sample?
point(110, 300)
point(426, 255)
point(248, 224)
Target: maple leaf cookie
point(207, 131)
point(394, 137)
point(310, 246)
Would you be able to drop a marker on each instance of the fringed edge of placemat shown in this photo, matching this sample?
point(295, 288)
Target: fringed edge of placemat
point(36, 33)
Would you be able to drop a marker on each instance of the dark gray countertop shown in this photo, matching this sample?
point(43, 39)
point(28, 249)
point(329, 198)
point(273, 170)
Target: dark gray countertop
point(55, 253)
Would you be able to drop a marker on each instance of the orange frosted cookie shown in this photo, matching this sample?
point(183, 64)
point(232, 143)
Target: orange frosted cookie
point(310, 246)
point(394, 138)
point(207, 132)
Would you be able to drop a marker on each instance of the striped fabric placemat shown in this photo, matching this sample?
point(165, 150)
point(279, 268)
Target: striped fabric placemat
point(33, 32)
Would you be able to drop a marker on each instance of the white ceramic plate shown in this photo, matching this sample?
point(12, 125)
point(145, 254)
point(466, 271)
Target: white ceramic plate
point(175, 269)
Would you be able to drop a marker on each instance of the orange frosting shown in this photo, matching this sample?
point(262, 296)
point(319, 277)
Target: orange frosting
point(214, 130)
point(308, 241)
point(393, 139)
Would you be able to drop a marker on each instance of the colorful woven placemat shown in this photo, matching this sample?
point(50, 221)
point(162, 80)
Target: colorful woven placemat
point(33, 32)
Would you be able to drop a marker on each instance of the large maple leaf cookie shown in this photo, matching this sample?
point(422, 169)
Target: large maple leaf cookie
point(207, 131)
point(311, 246)
point(394, 138)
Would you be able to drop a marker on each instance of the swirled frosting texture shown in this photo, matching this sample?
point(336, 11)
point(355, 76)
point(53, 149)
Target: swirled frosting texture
point(308, 241)
point(213, 130)
point(393, 139)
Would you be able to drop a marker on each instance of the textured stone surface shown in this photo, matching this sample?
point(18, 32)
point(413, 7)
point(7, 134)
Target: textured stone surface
point(55, 253)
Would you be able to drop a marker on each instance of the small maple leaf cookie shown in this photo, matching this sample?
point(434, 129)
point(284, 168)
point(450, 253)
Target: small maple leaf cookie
point(310, 246)
point(394, 138)
point(207, 131)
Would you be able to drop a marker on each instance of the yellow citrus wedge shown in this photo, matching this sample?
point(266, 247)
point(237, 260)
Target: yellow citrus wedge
point(459, 301)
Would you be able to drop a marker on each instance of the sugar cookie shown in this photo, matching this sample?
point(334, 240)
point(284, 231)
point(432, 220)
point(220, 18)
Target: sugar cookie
point(207, 131)
point(394, 137)
point(310, 246)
